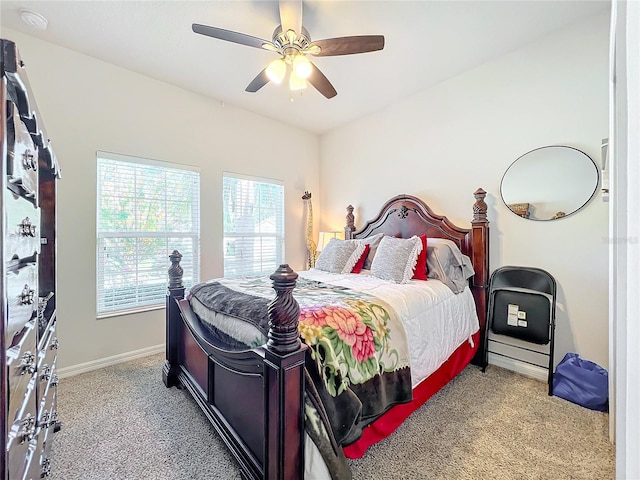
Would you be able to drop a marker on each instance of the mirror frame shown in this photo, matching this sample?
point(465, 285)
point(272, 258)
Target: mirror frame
point(567, 214)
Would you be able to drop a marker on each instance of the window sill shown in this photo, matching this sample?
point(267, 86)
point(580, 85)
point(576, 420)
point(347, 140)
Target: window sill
point(120, 313)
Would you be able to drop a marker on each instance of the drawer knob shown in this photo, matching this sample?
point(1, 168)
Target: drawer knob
point(27, 363)
point(46, 373)
point(46, 468)
point(29, 161)
point(44, 419)
point(28, 429)
point(26, 296)
point(26, 228)
point(54, 418)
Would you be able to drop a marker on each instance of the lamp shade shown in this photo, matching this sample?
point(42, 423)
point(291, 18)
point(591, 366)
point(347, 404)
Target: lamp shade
point(276, 70)
point(324, 237)
point(296, 83)
point(302, 66)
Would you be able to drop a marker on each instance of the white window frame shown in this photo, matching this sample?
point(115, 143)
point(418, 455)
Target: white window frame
point(261, 263)
point(189, 239)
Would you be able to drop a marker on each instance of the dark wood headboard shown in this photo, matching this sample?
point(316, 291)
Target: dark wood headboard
point(405, 215)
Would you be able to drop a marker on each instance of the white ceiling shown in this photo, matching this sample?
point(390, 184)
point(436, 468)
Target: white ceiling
point(426, 43)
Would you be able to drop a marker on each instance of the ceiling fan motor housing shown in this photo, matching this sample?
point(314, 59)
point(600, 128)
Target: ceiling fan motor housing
point(283, 42)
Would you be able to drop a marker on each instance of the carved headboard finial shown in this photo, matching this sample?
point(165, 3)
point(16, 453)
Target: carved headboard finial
point(350, 220)
point(480, 207)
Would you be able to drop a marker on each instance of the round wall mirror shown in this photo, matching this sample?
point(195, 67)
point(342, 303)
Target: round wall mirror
point(549, 183)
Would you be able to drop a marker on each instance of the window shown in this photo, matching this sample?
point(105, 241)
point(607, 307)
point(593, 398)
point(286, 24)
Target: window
point(253, 215)
point(146, 209)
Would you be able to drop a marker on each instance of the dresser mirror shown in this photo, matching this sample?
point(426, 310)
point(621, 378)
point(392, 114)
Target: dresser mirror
point(549, 183)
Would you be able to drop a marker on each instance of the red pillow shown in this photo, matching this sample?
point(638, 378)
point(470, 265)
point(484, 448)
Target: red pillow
point(420, 272)
point(357, 268)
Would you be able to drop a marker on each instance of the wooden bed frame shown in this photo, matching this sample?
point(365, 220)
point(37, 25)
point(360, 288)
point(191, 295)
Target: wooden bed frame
point(255, 398)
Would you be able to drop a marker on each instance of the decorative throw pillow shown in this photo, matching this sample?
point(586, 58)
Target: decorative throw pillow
point(446, 263)
point(396, 258)
point(357, 268)
point(373, 242)
point(420, 272)
point(339, 256)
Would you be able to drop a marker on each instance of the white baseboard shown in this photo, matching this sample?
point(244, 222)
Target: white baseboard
point(523, 368)
point(105, 362)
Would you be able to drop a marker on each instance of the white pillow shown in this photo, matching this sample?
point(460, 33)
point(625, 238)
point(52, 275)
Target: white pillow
point(396, 258)
point(339, 256)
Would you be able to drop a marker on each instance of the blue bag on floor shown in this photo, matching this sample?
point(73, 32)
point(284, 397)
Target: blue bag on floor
point(582, 382)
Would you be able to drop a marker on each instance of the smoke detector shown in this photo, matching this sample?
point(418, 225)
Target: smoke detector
point(34, 19)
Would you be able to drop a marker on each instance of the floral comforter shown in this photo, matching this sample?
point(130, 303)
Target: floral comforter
point(353, 336)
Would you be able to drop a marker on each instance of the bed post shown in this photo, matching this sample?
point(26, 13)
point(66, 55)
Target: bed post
point(284, 378)
point(480, 260)
point(175, 292)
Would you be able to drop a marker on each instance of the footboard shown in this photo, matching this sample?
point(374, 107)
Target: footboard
point(253, 398)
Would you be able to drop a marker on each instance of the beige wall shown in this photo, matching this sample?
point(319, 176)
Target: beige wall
point(89, 105)
point(464, 133)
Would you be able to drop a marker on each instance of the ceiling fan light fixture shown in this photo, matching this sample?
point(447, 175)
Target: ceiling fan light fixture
point(292, 42)
point(302, 66)
point(296, 83)
point(276, 70)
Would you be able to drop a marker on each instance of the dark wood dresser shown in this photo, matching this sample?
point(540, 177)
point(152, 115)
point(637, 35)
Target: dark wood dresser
point(28, 280)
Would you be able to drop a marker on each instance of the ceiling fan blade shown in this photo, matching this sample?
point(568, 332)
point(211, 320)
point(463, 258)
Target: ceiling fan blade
point(321, 83)
point(257, 83)
point(229, 36)
point(347, 45)
point(291, 15)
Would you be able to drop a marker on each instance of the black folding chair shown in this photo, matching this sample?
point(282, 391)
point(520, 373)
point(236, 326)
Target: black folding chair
point(522, 305)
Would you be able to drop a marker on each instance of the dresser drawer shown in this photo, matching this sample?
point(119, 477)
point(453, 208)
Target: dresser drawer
point(22, 435)
point(22, 238)
point(48, 416)
point(46, 374)
point(21, 367)
point(22, 158)
point(17, 85)
point(22, 299)
point(46, 432)
point(33, 470)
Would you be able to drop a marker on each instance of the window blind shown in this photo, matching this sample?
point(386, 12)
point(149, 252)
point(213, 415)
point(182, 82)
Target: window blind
point(146, 209)
point(253, 216)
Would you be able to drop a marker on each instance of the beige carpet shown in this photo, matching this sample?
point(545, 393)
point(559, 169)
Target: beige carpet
point(121, 423)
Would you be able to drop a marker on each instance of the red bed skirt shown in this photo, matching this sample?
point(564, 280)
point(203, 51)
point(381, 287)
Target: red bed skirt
point(387, 423)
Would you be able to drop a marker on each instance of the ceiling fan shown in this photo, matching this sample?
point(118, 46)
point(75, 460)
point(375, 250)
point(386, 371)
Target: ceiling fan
point(293, 43)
